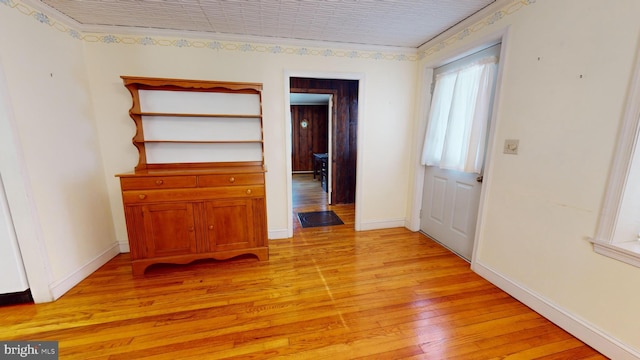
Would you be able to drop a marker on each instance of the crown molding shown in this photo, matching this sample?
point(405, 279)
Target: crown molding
point(49, 11)
point(488, 16)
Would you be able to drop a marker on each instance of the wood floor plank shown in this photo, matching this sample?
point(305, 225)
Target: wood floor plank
point(327, 293)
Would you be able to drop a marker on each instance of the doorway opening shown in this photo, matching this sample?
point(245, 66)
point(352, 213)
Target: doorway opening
point(323, 128)
point(311, 124)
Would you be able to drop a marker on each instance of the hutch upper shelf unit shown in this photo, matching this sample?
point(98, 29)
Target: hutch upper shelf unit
point(198, 188)
point(189, 121)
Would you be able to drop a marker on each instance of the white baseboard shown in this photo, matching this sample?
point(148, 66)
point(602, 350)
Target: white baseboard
point(381, 224)
point(581, 329)
point(60, 287)
point(412, 225)
point(124, 246)
point(278, 234)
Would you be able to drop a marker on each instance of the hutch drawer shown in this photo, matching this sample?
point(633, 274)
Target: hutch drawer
point(230, 179)
point(157, 182)
point(152, 196)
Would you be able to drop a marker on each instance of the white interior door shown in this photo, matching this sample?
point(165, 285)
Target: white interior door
point(450, 208)
point(451, 198)
point(14, 277)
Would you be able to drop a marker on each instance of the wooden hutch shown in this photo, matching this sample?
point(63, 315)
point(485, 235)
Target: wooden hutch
point(198, 190)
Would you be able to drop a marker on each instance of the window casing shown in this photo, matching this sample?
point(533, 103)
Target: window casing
point(618, 232)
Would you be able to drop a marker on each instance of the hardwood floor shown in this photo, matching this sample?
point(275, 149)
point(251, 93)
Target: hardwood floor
point(327, 293)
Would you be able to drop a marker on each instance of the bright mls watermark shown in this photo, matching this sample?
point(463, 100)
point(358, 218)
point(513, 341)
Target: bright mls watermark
point(10, 350)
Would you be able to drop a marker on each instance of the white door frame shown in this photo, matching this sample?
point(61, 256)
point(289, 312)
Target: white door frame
point(360, 128)
point(424, 103)
point(21, 204)
point(330, 150)
point(329, 134)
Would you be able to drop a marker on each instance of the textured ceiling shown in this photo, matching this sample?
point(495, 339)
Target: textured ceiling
point(400, 23)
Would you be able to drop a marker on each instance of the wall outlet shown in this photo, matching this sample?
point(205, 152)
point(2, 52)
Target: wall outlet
point(511, 146)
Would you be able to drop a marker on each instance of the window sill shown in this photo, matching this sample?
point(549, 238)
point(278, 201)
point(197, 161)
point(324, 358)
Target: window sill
point(628, 252)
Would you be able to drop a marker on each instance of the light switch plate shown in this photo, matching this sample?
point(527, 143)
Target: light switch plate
point(511, 146)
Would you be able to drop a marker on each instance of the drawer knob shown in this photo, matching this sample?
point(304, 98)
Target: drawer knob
point(232, 179)
point(191, 229)
point(210, 227)
point(142, 196)
point(248, 191)
point(159, 182)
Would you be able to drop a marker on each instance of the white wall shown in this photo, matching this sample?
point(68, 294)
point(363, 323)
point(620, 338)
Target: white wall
point(54, 181)
point(567, 67)
point(385, 124)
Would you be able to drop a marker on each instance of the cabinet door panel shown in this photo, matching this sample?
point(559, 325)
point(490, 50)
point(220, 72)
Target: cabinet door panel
point(260, 221)
point(229, 224)
point(169, 229)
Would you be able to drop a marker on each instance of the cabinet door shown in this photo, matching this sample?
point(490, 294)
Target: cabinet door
point(169, 229)
point(229, 225)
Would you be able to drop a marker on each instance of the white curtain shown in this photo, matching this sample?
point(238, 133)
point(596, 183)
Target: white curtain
point(459, 116)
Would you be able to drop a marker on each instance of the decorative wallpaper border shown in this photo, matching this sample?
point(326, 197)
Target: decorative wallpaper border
point(246, 47)
point(487, 21)
point(179, 42)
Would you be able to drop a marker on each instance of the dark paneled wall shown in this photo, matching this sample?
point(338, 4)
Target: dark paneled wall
point(344, 131)
point(309, 140)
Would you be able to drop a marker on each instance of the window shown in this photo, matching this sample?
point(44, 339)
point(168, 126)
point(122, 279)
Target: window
point(459, 116)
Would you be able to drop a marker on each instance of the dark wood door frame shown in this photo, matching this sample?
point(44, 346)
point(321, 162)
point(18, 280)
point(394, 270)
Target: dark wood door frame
point(344, 130)
point(353, 89)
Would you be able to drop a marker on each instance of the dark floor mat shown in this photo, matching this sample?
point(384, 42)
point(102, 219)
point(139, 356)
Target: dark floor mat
point(319, 218)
